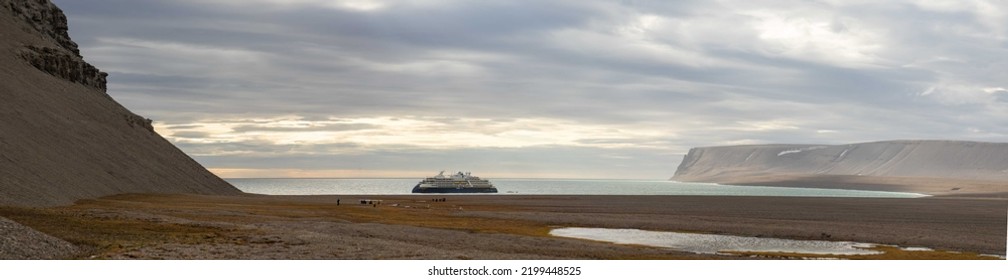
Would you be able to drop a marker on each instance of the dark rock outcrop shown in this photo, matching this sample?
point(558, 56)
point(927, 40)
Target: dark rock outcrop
point(60, 63)
point(45, 18)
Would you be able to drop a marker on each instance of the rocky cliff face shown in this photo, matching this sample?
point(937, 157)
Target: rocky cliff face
point(925, 159)
point(61, 63)
point(43, 18)
point(62, 138)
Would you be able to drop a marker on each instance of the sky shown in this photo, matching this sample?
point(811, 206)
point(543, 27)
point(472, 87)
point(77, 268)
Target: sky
point(540, 89)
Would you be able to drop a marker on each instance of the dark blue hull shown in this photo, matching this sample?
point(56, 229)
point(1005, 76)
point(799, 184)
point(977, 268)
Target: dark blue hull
point(417, 189)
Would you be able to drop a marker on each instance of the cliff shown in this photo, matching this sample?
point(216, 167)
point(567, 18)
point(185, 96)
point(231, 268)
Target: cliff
point(960, 160)
point(62, 138)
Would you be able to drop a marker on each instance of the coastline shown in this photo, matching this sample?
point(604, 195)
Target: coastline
point(550, 187)
point(943, 187)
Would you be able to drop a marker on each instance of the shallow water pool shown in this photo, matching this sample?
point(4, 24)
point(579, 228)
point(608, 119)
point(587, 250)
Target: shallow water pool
point(714, 243)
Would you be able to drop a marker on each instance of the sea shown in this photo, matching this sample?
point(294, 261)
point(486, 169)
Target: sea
point(292, 186)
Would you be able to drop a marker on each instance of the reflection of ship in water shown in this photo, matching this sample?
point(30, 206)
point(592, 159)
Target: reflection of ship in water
point(456, 183)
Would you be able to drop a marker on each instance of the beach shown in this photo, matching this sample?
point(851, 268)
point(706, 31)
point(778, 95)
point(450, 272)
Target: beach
point(186, 226)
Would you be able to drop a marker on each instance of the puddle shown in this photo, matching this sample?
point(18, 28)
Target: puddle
point(994, 256)
point(921, 249)
point(713, 243)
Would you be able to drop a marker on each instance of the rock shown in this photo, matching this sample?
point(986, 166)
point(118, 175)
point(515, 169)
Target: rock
point(61, 63)
point(45, 18)
point(18, 242)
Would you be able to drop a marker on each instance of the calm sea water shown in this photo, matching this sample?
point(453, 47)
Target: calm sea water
point(543, 186)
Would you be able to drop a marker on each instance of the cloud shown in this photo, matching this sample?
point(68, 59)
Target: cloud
point(535, 162)
point(407, 132)
point(293, 83)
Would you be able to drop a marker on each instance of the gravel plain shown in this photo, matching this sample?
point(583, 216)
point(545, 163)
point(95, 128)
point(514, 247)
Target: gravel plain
point(492, 226)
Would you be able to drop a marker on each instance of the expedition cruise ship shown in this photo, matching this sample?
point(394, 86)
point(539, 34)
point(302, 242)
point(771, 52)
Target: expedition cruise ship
point(457, 183)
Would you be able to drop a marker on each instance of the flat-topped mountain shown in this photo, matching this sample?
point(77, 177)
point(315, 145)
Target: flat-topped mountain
point(937, 160)
point(62, 138)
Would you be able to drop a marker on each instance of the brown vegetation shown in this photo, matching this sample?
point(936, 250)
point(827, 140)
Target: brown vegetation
point(480, 227)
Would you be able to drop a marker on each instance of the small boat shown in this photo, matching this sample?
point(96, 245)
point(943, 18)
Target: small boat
point(456, 183)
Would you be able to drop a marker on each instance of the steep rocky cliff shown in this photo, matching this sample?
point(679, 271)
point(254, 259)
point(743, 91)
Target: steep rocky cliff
point(924, 159)
point(45, 19)
point(62, 138)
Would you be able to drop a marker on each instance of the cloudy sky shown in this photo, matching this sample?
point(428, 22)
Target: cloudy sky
point(514, 88)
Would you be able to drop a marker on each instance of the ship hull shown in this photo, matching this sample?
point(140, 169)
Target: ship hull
point(418, 189)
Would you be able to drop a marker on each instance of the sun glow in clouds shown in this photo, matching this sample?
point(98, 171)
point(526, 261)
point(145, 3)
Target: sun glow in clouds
point(356, 5)
point(410, 131)
point(831, 40)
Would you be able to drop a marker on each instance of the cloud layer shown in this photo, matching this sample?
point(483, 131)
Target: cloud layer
point(545, 88)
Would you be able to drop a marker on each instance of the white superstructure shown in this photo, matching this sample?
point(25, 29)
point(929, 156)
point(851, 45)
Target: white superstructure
point(459, 182)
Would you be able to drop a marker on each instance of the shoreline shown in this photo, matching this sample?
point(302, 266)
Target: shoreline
point(335, 186)
point(939, 187)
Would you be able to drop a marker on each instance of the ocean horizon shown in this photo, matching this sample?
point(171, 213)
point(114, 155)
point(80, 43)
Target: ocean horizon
point(526, 186)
